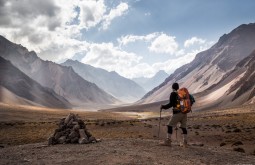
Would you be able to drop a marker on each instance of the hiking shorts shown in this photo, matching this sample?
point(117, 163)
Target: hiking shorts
point(176, 118)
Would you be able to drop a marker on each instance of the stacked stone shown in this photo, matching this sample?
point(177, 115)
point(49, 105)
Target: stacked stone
point(71, 130)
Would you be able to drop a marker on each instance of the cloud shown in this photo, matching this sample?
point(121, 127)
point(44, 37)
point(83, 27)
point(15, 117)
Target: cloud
point(24, 12)
point(53, 28)
point(130, 65)
point(118, 11)
point(147, 14)
point(141, 70)
point(172, 64)
point(124, 40)
point(192, 41)
point(91, 13)
point(185, 57)
point(63, 49)
point(164, 44)
point(111, 58)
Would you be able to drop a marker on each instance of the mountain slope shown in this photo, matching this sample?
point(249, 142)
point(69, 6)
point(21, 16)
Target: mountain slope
point(63, 80)
point(118, 86)
point(150, 83)
point(236, 88)
point(247, 82)
point(210, 67)
point(16, 87)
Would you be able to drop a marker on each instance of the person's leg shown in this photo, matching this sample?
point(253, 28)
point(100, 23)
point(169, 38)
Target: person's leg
point(169, 131)
point(172, 122)
point(184, 129)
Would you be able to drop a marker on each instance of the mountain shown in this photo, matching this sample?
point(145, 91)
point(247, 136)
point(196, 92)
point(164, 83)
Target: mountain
point(210, 68)
point(111, 82)
point(18, 88)
point(63, 80)
point(150, 83)
point(245, 86)
point(237, 87)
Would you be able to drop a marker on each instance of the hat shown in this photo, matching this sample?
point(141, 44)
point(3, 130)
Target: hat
point(175, 86)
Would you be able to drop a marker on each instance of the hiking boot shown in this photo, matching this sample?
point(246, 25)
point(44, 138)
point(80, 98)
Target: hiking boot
point(166, 142)
point(184, 144)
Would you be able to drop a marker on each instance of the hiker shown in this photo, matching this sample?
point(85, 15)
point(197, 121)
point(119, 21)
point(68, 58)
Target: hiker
point(177, 117)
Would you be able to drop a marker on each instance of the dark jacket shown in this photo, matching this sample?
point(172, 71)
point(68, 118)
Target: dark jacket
point(172, 102)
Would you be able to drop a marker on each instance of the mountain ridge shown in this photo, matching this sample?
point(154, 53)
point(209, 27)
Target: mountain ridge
point(210, 66)
point(118, 86)
point(63, 80)
point(150, 83)
point(15, 81)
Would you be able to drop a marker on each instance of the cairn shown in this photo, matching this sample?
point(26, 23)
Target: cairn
point(71, 130)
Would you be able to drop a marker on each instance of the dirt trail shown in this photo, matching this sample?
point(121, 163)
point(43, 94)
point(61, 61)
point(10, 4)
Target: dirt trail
point(120, 151)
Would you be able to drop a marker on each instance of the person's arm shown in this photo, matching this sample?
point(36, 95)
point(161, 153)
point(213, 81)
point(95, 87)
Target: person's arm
point(171, 101)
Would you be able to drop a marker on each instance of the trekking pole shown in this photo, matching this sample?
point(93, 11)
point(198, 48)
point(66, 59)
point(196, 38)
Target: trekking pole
point(159, 123)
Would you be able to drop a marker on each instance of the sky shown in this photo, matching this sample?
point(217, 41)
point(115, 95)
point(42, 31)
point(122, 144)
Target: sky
point(135, 38)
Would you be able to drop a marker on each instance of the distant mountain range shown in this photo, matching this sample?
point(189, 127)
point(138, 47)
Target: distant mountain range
point(216, 75)
point(18, 88)
point(63, 80)
point(150, 83)
point(111, 82)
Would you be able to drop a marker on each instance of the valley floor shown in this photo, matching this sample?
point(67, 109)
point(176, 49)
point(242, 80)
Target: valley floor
point(128, 137)
point(122, 152)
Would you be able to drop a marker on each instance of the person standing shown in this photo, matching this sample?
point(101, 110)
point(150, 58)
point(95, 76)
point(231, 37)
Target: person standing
point(177, 117)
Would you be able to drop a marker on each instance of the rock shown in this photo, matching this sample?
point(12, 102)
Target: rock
point(58, 135)
point(75, 117)
point(237, 143)
point(68, 118)
point(222, 144)
point(239, 150)
point(75, 123)
point(82, 134)
point(75, 140)
point(62, 140)
point(51, 140)
point(76, 127)
point(67, 131)
point(83, 141)
point(237, 130)
point(70, 122)
point(88, 133)
point(92, 139)
point(57, 130)
point(73, 134)
point(62, 127)
point(198, 144)
point(82, 124)
point(62, 121)
point(196, 126)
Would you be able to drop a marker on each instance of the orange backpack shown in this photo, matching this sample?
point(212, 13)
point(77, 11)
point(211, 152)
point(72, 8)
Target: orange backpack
point(183, 101)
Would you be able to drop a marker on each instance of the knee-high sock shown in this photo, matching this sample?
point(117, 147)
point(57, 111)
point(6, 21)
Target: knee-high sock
point(184, 131)
point(169, 131)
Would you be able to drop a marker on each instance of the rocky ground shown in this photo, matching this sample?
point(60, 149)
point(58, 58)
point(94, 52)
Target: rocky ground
point(224, 136)
point(120, 151)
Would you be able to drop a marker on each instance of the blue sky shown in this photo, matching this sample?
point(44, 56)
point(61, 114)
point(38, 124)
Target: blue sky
point(135, 38)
